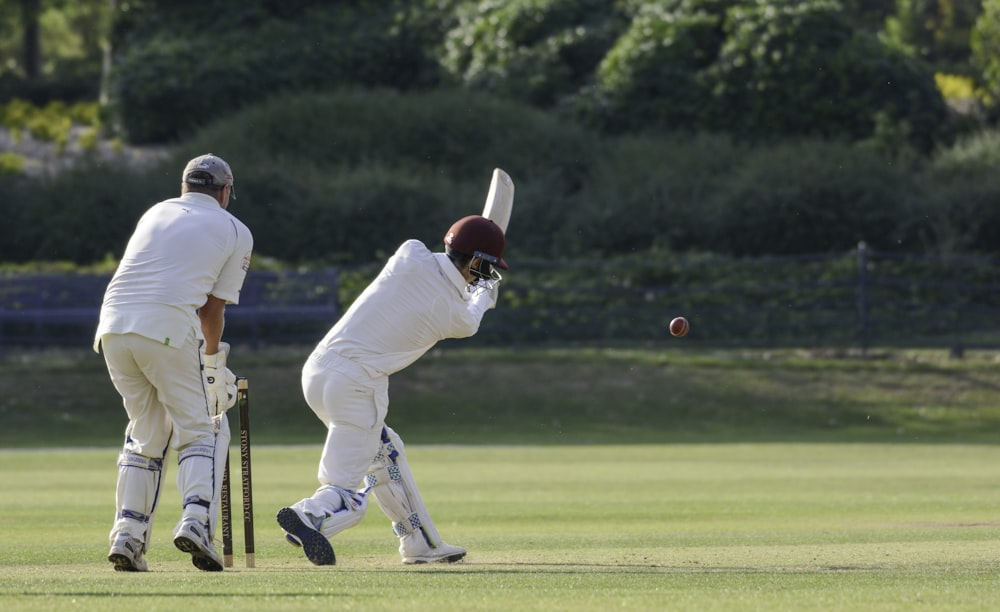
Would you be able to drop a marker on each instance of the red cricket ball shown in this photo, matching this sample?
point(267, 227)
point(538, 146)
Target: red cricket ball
point(679, 327)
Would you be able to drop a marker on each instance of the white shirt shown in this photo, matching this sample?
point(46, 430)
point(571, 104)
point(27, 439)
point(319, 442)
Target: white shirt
point(418, 299)
point(183, 250)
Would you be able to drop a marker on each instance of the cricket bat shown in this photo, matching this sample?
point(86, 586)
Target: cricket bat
point(500, 199)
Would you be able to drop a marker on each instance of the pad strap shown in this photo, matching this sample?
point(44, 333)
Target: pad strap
point(130, 459)
point(195, 450)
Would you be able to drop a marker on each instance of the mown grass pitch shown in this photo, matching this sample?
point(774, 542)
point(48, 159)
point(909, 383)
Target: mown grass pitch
point(779, 526)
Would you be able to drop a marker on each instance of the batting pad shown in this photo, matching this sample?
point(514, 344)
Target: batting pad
point(138, 490)
point(391, 482)
point(196, 474)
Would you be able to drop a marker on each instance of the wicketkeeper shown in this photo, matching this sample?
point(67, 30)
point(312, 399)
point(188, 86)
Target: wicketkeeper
point(418, 299)
point(161, 330)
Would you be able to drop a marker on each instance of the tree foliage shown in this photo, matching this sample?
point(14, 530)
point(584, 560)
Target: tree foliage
point(935, 31)
point(986, 47)
point(755, 68)
point(536, 51)
point(760, 70)
point(52, 49)
point(165, 84)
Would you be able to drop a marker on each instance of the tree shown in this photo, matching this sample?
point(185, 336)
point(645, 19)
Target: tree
point(31, 43)
point(52, 49)
point(986, 47)
point(936, 31)
point(537, 51)
point(657, 72)
point(764, 69)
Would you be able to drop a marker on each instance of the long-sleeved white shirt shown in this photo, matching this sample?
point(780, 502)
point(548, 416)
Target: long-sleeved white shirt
point(418, 299)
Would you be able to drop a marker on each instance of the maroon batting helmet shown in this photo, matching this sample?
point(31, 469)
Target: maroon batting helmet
point(476, 236)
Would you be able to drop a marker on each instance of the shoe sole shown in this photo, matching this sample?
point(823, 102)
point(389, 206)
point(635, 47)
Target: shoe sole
point(454, 558)
point(122, 563)
point(199, 558)
point(314, 544)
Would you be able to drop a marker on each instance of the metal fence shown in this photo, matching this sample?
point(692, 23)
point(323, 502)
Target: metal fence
point(857, 299)
point(61, 310)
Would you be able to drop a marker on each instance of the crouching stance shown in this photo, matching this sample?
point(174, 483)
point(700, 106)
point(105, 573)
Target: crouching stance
point(160, 330)
point(418, 299)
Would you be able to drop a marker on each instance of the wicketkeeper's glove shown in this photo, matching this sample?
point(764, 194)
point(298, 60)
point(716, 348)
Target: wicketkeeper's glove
point(220, 382)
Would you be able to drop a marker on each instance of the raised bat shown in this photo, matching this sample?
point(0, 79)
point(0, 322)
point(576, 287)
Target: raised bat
point(500, 199)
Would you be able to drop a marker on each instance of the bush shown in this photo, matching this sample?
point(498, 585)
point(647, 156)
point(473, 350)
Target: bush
point(165, 85)
point(801, 68)
point(647, 194)
point(762, 71)
point(15, 235)
point(86, 213)
point(344, 177)
point(51, 123)
point(535, 51)
point(811, 197)
point(11, 163)
point(437, 147)
point(959, 195)
point(655, 75)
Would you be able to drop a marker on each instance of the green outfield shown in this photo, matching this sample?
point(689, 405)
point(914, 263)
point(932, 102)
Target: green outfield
point(731, 526)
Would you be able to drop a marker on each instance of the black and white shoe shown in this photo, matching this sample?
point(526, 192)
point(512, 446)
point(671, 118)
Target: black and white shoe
point(300, 532)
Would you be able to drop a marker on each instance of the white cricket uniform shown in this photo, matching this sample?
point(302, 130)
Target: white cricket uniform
point(418, 299)
point(183, 250)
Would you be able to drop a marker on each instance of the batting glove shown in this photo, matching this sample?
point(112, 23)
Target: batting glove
point(220, 382)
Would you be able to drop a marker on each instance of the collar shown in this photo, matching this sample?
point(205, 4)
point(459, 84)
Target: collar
point(200, 199)
point(451, 273)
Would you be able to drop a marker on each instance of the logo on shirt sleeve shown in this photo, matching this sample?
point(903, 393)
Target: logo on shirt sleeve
point(246, 262)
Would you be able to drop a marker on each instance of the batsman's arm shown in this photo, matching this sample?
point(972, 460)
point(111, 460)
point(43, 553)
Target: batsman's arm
point(213, 319)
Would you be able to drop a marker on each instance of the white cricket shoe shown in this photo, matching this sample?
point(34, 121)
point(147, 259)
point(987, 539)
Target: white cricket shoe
point(191, 536)
point(415, 549)
point(126, 554)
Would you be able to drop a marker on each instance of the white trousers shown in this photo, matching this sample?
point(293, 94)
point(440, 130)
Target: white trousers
point(163, 391)
point(353, 406)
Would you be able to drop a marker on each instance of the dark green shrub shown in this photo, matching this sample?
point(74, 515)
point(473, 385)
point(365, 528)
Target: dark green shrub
point(959, 196)
point(86, 213)
point(646, 194)
point(15, 237)
point(655, 74)
point(164, 85)
point(811, 197)
point(763, 71)
point(453, 139)
point(802, 68)
point(535, 51)
point(344, 177)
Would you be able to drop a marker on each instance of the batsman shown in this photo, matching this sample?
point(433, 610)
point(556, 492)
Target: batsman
point(419, 298)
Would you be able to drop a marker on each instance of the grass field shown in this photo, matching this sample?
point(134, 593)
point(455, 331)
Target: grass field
point(684, 527)
point(579, 479)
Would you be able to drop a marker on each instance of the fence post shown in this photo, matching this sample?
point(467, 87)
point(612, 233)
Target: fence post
point(863, 297)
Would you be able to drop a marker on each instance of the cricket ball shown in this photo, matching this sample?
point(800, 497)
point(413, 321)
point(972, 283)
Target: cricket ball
point(679, 327)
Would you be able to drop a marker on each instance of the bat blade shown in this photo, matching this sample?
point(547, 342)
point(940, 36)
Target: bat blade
point(500, 199)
